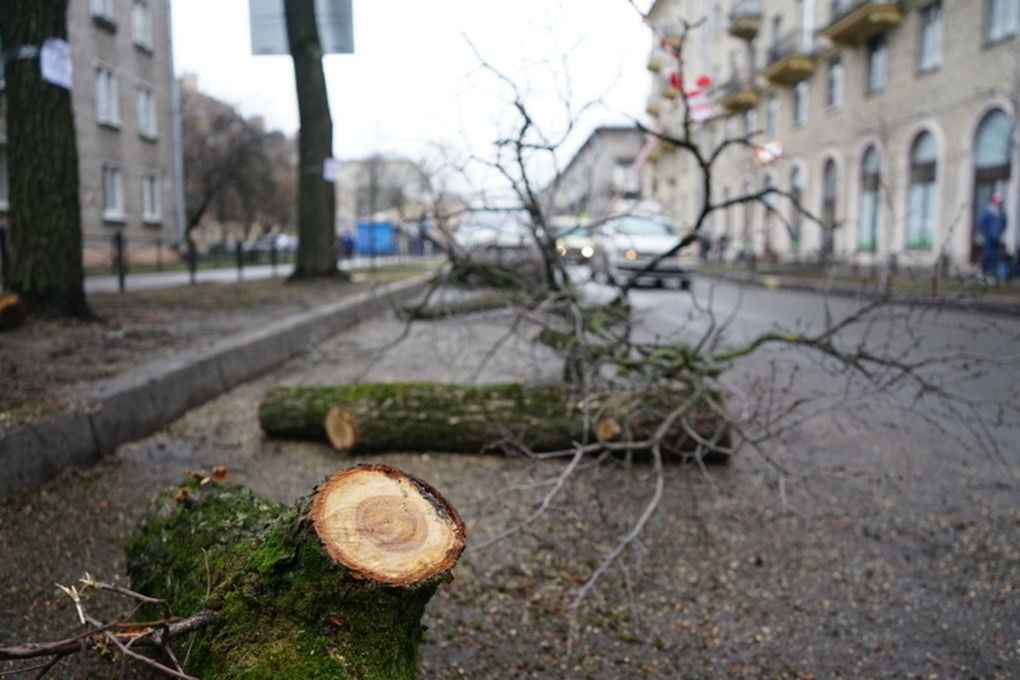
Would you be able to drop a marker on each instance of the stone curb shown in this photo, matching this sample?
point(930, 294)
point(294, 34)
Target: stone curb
point(1004, 307)
point(139, 402)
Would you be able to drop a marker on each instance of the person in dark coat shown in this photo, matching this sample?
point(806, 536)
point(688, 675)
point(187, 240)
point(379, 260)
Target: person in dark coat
point(991, 225)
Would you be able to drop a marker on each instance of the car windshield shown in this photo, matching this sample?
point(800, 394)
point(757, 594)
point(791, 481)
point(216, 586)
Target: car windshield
point(573, 230)
point(500, 220)
point(642, 226)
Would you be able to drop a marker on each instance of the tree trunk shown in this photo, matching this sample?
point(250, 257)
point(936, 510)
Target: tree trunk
point(471, 419)
point(316, 254)
point(45, 213)
point(332, 587)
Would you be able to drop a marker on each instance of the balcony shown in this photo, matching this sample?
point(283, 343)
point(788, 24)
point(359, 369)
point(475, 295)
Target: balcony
point(745, 19)
point(673, 35)
point(854, 21)
point(657, 60)
point(789, 61)
point(739, 95)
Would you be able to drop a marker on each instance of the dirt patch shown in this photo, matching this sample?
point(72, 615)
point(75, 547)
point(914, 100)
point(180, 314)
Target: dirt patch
point(44, 361)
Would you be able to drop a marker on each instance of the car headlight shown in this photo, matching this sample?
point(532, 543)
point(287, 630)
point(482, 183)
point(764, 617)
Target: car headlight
point(587, 251)
point(562, 250)
point(630, 254)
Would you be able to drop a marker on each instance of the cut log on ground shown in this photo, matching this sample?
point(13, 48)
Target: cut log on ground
point(332, 587)
point(12, 311)
point(413, 417)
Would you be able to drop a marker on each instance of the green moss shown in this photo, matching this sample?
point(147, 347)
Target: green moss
point(287, 610)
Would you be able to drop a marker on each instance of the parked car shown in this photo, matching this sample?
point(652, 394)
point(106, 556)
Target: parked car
point(493, 229)
point(626, 244)
point(574, 241)
point(284, 243)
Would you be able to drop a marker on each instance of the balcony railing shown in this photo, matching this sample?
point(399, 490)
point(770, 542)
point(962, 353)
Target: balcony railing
point(739, 94)
point(789, 61)
point(745, 19)
point(854, 21)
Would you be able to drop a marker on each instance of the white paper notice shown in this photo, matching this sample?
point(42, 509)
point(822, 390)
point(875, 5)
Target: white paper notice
point(55, 62)
point(329, 170)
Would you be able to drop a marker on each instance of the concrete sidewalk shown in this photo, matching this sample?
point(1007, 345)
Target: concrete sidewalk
point(141, 401)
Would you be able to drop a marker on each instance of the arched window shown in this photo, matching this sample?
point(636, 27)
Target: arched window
point(745, 234)
point(796, 206)
point(992, 153)
point(830, 185)
point(768, 186)
point(871, 181)
point(921, 193)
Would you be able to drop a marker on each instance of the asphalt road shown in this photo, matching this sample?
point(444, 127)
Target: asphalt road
point(957, 370)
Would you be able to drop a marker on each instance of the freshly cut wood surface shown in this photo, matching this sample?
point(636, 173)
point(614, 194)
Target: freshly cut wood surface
point(339, 426)
point(386, 525)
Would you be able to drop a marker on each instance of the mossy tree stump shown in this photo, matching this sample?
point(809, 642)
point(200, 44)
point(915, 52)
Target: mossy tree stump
point(333, 587)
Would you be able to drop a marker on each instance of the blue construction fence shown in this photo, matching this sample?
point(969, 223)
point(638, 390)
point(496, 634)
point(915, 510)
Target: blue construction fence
point(384, 238)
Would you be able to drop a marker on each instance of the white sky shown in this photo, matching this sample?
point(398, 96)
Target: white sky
point(414, 80)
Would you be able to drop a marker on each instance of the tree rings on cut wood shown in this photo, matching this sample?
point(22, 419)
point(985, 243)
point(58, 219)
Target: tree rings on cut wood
point(386, 525)
point(340, 430)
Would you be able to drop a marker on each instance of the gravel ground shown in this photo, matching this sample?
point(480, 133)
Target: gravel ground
point(870, 557)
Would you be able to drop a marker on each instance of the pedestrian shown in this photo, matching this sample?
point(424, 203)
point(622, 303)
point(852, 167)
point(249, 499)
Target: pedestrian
point(991, 225)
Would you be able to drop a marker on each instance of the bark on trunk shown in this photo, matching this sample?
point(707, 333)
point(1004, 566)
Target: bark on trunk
point(316, 254)
point(471, 419)
point(45, 214)
point(332, 587)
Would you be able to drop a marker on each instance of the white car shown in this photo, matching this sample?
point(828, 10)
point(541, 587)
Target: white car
point(574, 240)
point(488, 229)
point(626, 244)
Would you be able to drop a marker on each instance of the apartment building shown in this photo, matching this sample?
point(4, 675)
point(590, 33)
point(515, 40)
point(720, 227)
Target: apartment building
point(124, 100)
point(890, 123)
point(601, 173)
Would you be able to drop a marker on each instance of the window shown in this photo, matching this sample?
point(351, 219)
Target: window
point(102, 14)
point(921, 192)
point(147, 127)
point(141, 19)
point(878, 64)
point(871, 180)
point(1002, 18)
point(113, 193)
point(830, 185)
point(800, 103)
point(930, 56)
point(150, 198)
point(746, 244)
point(796, 207)
point(107, 108)
point(4, 186)
point(103, 8)
point(834, 95)
point(993, 153)
point(771, 116)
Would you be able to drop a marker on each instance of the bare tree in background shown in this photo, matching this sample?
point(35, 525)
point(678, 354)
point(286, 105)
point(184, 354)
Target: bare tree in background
point(231, 165)
point(317, 254)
